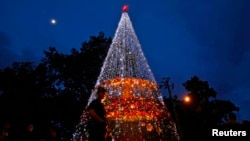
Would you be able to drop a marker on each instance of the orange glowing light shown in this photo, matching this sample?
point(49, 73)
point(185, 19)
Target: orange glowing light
point(187, 99)
point(149, 127)
point(132, 106)
point(129, 104)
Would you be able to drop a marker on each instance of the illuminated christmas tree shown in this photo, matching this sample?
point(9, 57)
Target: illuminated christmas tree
point(134, 106)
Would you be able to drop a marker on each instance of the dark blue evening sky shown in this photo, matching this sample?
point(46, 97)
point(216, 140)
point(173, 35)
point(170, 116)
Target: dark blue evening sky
point(180, 38)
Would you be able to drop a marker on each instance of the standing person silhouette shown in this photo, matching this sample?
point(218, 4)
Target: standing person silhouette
point(97, 127)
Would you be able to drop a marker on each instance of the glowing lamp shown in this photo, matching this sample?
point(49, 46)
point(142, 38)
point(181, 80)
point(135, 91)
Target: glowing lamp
point(187, 99)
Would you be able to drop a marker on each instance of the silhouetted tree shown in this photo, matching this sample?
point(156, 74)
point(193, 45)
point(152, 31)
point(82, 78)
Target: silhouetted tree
point(57, 89)
point(74, 75)
point(197, 117)
point(199, 91)
point(203, 112)
point(77, 72)
point(19, 90)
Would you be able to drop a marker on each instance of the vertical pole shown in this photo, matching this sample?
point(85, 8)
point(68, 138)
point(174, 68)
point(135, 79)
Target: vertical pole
point(172, 103)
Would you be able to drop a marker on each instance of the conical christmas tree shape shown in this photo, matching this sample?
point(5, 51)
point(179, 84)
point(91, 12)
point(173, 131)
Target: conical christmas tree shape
point(134, 106)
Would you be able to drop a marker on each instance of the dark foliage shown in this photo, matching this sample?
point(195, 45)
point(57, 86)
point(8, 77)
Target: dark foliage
point(56, 90)
point(196, 118)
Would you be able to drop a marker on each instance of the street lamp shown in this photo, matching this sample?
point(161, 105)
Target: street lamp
point(187, 99)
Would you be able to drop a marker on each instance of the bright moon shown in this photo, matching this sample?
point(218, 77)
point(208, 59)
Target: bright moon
point(53, 21)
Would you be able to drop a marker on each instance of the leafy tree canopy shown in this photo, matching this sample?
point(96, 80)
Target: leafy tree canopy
point(57, 88)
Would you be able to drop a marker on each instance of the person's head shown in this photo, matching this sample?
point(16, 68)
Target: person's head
point(101, 92)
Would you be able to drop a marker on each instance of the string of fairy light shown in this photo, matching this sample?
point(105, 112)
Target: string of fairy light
point(134, 105)
point(125, 57)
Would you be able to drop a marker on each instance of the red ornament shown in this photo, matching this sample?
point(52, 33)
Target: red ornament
point(125, 8)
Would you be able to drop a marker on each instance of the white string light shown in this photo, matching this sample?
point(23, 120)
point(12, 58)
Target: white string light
point(135, 107)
